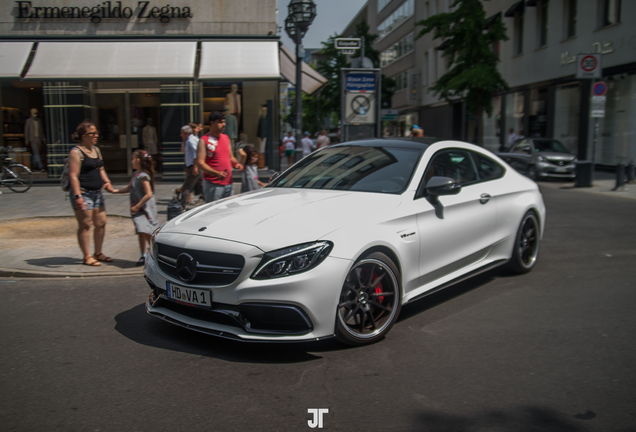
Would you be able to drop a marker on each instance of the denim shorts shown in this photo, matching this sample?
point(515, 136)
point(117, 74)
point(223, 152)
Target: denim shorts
point(94, 199)
point(214, 192)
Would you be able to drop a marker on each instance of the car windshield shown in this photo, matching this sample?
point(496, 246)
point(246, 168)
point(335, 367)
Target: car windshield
point(354, 168)
point(549, 146)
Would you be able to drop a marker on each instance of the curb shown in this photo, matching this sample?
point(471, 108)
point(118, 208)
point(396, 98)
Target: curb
point(6, 272)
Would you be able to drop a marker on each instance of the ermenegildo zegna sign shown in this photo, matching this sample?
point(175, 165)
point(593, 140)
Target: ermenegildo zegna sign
point(107, 9)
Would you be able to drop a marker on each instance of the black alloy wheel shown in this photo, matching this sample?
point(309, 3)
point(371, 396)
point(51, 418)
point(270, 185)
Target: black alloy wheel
point(526, 247)
point(370, 300)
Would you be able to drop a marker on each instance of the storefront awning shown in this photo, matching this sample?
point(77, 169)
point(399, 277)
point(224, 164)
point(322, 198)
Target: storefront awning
point(13, 56)
point(239, 60)
point(113, 60)
point(311, 80)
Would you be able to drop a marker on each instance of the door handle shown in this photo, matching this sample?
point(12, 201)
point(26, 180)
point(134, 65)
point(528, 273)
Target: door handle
point(484, 198)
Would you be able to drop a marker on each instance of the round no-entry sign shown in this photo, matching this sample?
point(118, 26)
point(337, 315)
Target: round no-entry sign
point(599, 89)
point(589, 63)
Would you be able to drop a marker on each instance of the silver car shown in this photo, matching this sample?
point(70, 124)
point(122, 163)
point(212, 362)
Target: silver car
point(540, 158)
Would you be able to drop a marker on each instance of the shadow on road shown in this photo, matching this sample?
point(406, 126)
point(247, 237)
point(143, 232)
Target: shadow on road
point(57, 262)
point(136, 325)
point(522, 419)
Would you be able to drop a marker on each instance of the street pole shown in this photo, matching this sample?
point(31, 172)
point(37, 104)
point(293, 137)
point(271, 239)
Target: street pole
point(299, 98)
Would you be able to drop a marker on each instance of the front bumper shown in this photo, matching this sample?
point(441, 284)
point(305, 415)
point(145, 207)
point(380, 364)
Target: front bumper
point(546, 169)
point(301, 307)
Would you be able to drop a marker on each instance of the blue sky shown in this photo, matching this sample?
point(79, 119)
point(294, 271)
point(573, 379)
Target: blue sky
point(332, 17)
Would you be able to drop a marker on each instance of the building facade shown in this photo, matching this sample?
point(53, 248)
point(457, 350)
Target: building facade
point(138, 69)
point(539, 64)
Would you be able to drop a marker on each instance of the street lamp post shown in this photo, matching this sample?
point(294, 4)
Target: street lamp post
point(301, 15)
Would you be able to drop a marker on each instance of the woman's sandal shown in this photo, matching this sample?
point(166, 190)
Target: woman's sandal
point(90, 261)
point(101, 257)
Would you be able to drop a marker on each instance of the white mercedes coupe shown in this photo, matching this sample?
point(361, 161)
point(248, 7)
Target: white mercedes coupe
point(335, 245)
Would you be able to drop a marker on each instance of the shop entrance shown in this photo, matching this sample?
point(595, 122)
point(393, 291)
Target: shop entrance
point(123, 117)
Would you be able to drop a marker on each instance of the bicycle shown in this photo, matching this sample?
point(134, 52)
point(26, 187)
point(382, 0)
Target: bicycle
point(16, 176)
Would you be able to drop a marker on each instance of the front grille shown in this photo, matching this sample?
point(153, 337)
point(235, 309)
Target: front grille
point(197, 313)
point(213, 268)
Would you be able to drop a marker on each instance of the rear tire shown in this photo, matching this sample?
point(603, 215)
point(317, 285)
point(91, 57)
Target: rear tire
point(370, 301)
point(526, 248)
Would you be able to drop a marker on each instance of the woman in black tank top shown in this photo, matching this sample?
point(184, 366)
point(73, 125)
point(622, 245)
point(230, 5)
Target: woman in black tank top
point(87, 177)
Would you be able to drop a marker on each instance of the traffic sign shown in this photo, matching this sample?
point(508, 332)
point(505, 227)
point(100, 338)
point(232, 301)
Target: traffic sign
point(360, 108)
point(348, 43)
point(597, 108)
point(588, 66)
point(599, 89)
point(360, 82)
point(348, 51)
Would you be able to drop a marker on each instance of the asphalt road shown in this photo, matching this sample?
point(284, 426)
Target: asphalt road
point(549, 351)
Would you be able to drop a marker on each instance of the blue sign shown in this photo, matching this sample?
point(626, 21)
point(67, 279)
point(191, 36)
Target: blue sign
point(360, 82)
point(599, 89)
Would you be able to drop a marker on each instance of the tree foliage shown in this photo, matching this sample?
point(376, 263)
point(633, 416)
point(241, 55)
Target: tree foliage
point(472, 63)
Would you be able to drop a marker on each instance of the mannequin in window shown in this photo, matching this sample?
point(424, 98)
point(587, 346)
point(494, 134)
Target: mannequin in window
point(149, 137)
point(34, 138)
point(261, 134)
point(231, 126)
point(233, 100)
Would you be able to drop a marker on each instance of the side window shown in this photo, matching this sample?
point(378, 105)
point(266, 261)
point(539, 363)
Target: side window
point(454, 163)
point(522, 147)
point(487, 169)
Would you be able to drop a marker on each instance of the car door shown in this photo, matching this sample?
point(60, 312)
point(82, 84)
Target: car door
point(458, 231)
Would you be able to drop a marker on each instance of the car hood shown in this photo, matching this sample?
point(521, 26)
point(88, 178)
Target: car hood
point(273, 218)
point(557, 156)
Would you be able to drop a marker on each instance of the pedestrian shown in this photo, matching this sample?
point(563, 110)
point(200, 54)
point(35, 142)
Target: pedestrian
point(87, 177)
point(323, 140)
point(215, 160)
point(512, 137)
point(143, 208)
point(250, 179)
point(193, 175)
point(417, 132)
point(521, 135)
point(307, 144)
point(289, 143)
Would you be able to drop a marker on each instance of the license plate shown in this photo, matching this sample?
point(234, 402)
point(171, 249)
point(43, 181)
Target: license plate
point(561, 170)
point(191, 296)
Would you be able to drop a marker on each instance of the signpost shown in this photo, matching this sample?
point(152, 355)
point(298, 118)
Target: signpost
point(360, 103)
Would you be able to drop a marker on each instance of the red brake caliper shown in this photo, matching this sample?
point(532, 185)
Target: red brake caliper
point(378, 290)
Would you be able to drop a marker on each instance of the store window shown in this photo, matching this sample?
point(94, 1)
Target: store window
point(515, 103)
point(492, 126)
point(538, 118)
point(618, 130)
point(566, 116)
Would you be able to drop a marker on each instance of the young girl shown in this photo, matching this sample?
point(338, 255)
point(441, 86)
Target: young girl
point(250, 180)
point(142, 201)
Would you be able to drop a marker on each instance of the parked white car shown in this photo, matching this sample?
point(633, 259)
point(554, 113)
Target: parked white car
point(335, 245)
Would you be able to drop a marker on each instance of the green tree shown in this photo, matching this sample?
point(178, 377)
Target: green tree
point(388, 84)
point(329, 67)
point(472, 62)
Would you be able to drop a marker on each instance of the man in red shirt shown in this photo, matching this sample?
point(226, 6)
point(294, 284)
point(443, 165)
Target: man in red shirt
point(215, 160)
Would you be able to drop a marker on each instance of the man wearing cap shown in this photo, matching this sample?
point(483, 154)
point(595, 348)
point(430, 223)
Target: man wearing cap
point(307, 144)
point(216, 161)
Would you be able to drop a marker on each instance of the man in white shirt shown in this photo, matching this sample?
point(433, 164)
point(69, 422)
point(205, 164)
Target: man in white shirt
point(193, 175)
point(289, 144)
point(307, 143)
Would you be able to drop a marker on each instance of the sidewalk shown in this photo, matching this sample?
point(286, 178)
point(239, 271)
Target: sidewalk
point(38, 233)
point(38, 229)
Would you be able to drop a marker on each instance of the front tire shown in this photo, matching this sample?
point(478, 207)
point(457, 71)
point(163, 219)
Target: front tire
point(20, 180)
point(526, 247)
point(370, 301)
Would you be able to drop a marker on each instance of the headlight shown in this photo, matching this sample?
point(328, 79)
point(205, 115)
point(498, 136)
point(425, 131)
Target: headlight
point(153, 246)
point(292, 260)
point(541, 158)
point(575, 160)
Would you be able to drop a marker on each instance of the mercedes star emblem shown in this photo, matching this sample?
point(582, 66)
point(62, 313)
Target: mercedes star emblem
point(186, 267)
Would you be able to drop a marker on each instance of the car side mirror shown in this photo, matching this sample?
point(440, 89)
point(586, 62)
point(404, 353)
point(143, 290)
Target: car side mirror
point(274, 177)
point(438, 186)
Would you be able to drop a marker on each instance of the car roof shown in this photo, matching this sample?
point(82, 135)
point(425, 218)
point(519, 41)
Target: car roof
point(409, 143)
